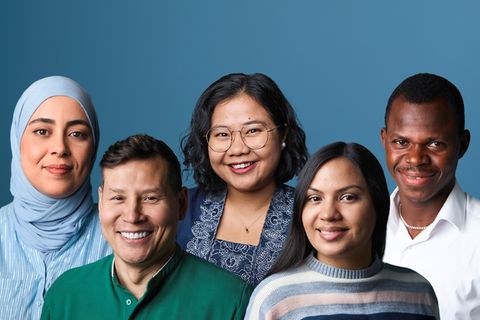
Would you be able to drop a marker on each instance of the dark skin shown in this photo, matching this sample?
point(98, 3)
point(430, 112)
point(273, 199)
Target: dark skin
point(423, 146)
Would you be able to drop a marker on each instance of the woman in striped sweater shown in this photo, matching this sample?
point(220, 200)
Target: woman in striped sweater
point(331, 267)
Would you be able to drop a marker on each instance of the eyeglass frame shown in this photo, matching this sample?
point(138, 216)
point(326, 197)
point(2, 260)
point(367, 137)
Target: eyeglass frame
point(241, 136)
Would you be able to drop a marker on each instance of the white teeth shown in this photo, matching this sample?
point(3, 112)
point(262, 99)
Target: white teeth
point(134, 235)
point(242, 165)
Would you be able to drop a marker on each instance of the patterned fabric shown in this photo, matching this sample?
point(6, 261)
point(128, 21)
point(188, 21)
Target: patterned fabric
point(26, 274)
point(319, 291)
point(197, 234)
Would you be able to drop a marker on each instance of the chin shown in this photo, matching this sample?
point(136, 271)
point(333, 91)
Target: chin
point(58, 193)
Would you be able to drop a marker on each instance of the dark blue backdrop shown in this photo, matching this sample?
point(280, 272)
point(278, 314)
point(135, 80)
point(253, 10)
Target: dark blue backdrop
point(146, 62)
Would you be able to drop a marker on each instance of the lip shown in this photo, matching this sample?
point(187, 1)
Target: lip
point(331, 233)
point(242, 167)
point(416, 178)
point(58, 169)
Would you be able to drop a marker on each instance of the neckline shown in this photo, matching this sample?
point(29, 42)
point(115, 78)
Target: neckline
point(340, 273)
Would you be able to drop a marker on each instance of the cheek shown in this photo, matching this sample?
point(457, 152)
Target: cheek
point(84, 157)
point(30, 153)
point(215, 160)
point(308, 218)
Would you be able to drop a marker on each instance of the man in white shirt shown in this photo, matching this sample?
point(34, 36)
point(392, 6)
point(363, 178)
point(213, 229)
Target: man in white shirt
point(433, 226)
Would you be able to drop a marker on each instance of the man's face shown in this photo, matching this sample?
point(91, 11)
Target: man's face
point(139, 212)
point(422, 148)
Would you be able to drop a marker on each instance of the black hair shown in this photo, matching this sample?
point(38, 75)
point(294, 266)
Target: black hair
point(141, 146)
point(264, 91)
point(297, 247)
point(425, 87)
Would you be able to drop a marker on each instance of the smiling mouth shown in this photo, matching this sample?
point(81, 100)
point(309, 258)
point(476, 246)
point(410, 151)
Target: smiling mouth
point(242, 165)
point(58, 169)
point(331, 234)
point(135, 235)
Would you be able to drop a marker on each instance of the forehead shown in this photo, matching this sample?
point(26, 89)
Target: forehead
point(137, 175)
point(436, 115)
point(336, 174)
point(60, 107)
point(238, 110)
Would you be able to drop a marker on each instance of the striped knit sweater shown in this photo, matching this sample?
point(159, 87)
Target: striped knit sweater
point(319, 291)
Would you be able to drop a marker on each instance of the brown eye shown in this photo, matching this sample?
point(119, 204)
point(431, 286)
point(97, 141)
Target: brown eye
point(41, 132)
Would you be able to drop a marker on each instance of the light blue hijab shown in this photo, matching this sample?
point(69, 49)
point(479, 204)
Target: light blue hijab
point(41, 222)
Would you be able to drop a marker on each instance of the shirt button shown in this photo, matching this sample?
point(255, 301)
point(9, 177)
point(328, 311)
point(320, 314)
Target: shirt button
point(128, 302)
point(39, 303)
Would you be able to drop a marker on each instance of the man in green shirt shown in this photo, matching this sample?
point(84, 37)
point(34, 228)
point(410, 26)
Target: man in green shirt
point(141, 200)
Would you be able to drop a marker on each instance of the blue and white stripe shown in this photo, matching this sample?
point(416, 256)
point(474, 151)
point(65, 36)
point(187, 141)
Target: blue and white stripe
point(26, 274)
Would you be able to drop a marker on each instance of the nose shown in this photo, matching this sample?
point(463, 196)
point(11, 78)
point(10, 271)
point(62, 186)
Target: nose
point(329, 211)
point(417, 155)
point(133, 212)
point(60, 146)
point(238, 146)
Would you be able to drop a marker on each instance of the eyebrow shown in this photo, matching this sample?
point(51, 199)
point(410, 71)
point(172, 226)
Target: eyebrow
point(243, 124)
point(115, 190)
point(51, 121)
point(352, 186)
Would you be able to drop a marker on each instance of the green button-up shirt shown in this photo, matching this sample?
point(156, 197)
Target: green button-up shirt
point(187, 287)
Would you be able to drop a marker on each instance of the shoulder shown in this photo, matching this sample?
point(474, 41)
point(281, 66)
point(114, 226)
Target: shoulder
point(4, 213)
point(285, 190)
point(401, 274)
point(6, 228)
point(277, 287)
point(195, 193)
point(473, 207)
point(206, 271)
point(87, 276)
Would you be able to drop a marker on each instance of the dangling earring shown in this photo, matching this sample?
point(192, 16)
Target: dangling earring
point(283, 145)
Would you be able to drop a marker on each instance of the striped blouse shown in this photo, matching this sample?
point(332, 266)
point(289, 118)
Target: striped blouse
point(319, 291)
point(26, 274)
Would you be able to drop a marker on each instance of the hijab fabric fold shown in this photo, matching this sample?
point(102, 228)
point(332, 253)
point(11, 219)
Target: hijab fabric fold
point(42, 222)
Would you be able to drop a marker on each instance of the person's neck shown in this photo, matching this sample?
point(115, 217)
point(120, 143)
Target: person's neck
point(135, 278)
point(252, 201)
point(421, 214)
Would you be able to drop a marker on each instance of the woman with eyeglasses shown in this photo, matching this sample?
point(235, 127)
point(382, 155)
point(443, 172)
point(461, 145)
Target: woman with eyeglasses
point(244, 143)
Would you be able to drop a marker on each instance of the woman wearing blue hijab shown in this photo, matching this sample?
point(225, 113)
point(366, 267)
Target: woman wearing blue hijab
point(52, 224)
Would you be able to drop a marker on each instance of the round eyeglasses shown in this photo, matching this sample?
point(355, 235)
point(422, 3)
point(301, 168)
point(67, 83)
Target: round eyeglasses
point(254, 136)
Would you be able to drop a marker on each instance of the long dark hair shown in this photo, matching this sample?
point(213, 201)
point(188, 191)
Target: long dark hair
point(263, 90)
point(297, 246)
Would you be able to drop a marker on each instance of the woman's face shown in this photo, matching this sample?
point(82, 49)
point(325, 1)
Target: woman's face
point(338, 215)
point(241, 168)
point(56, 148)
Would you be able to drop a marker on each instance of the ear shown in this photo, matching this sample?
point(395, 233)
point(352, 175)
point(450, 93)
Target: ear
point(183, 203)
point(464, 142)
point(100, 194)
point(383, 136)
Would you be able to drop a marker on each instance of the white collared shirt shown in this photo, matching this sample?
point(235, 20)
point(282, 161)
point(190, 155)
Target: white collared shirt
point(447, 253)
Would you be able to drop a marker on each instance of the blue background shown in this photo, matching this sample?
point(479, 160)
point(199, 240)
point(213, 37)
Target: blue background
point(146, 62)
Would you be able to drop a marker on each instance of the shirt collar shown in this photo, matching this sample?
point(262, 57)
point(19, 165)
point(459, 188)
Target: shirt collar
point(113, 273)
point(452, 211)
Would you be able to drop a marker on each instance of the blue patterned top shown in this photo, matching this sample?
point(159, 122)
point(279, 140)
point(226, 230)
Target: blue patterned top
point(197, 234)
point(26, 274)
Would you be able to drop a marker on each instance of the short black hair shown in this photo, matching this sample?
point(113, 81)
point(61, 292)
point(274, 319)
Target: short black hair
point(264, 91)
point(426, 87)
point(139, 147)
point(297, 246)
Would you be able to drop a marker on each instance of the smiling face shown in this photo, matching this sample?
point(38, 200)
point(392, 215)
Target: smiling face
point(338, 215)
point(422, 148)
point(56, 148)
point(139, 212)
point(243, 169)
